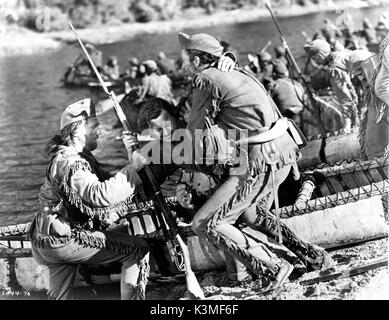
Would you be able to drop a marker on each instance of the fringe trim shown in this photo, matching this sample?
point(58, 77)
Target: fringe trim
point(86, 239)
point(263, 268)
point(262, 207)
point(266, 222)
point(260, 165)
point(144, 271)
point(218, 239)
point(201, 82)
point(121, 208)
point(384, 43)
point(49, 241)
point(239, 196)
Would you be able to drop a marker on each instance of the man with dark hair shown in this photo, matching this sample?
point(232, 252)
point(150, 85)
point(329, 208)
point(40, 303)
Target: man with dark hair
point(193, 188)
point(237, 101)
point(153, 109)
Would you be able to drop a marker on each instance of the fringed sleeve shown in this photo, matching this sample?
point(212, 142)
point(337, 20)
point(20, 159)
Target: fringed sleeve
point(98, 199)
point(201, 82)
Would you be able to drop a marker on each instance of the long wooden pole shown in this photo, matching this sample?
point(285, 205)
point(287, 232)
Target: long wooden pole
point(193, 286)
point(316, 109)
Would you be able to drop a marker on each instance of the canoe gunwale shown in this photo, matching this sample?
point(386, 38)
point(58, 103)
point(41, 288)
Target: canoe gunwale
point(346, 166)
point(337, 199)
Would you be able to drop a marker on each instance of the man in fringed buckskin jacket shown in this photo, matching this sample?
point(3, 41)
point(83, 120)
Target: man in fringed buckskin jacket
point(78, 201)
point(235, 100)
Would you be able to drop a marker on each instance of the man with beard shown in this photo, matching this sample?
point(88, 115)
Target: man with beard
point(79, 201)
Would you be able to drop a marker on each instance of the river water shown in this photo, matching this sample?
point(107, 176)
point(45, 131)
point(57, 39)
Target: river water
point(32, 99)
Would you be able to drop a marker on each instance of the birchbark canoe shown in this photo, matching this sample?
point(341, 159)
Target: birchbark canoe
point(349, 205)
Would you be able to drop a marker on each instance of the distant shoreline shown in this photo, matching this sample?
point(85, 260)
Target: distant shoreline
point(20, 41)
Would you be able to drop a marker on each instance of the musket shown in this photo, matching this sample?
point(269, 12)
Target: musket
point(177, 248)
point(316, 109)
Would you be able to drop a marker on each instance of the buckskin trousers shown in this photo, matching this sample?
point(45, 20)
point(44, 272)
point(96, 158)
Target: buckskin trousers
point(251, 201)
point(64, 259)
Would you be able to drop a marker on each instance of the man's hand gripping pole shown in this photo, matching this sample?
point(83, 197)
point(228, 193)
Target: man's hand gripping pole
point(193, 286)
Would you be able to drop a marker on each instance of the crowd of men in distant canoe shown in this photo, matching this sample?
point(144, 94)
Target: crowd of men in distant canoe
point(341, 47)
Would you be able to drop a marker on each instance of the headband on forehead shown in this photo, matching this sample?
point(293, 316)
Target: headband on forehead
point(82, 109)
point(202, 42)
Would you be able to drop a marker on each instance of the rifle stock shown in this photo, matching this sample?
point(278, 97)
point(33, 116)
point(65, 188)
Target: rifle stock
point(182, 259)
point(174, 240)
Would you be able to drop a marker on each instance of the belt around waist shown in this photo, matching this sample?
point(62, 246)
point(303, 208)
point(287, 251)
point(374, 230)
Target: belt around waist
point(273, 133)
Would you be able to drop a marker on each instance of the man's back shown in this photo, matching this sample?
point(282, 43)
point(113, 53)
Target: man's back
point(235, 100)
point(242, 102)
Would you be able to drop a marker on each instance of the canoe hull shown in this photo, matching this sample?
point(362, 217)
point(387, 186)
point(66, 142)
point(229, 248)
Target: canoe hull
point(348, 207)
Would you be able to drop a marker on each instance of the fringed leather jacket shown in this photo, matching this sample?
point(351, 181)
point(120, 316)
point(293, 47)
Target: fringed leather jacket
point(234, 100)
point(78, 195)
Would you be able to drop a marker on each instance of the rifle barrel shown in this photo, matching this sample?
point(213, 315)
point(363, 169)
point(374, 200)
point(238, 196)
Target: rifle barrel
point(111, 94)
point(316, 107)
point(89, 59)
point(267, 4)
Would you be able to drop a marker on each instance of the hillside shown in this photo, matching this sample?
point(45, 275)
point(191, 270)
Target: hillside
point(32, 26)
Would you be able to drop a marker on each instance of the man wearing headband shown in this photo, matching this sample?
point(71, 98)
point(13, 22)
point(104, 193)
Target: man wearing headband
point(78, 201)
point(236, 100)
